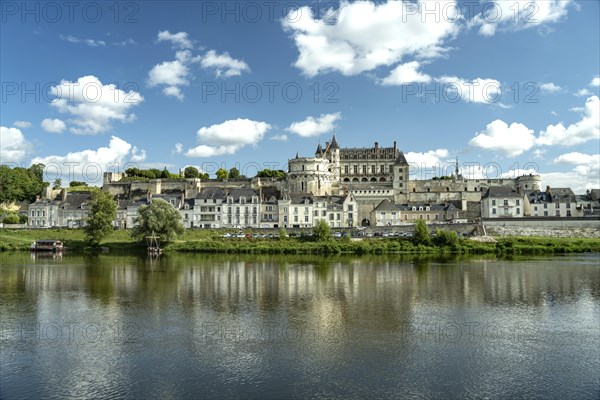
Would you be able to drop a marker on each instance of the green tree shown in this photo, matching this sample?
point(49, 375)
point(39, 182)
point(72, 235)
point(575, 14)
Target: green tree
point(191, 172)
point(18, 184)
point(222, 173)
point(445, 238)
point(234, 173)
point(165, 174)
point(322, 231)
point(158, 218)
point(421, 234)
point(269, 173)
point(57, 184)
point(203, 176)
point(12, 219)
point(77, 183)
point(103, 212)
point(282, 233)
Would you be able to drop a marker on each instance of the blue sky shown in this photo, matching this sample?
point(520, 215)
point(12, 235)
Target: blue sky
point(505, 86)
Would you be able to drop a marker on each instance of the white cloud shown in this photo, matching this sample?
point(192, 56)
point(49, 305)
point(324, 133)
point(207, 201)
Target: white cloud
point(22, 124)
point(89, 165)
point(366, 35)
point(179, 39)
point(584, 175)
point(53, 125)
point(518, 14)
point(588, 128)
point(138, 155)
point(427, 161)
point(228, 137)
point(595, 82)
point(279, 138)
point(89, 42)
point(178, 149)
point(576, 158)
point(511, 140)
point(93, 105)
point(406, 73)
point(223, 64)
point(472, 91)
point(171, 73)
point(583, 92)
point(315, 126)
point(125, 42)
point(550, 87)
point(13, 146)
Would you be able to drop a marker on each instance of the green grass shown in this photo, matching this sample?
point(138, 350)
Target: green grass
point(211, 241)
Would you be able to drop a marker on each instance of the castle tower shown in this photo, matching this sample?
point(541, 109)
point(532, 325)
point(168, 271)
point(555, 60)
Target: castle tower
point(335, 159)
point(528, 183)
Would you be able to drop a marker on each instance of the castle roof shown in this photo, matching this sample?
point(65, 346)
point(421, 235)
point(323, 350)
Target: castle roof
point(334, 143)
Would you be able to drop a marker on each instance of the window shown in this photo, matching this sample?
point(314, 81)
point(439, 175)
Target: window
point(493, 211)
point(505, 202)
point(558, 213)
point(350, 207)
point(295, 218)
point(535, 208)
point(518, 202)
point(295, 210)
point(382, 169)
point(331, 217)
point(518, 211)
point(338, 216)
point(546, 206)
point(568, 205)
point(346, 170)
point(545, 213)
point(355, 170)
point(373, 169)
point(493, 202)
point(364, 169)
point(568, 213)
point(306, 218)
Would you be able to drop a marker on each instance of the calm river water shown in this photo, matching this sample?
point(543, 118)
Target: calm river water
point(198, 326)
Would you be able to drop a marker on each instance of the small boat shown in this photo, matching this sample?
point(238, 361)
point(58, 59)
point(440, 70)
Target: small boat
point(54, 246)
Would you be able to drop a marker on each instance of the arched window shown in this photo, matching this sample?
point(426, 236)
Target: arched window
point(373, 179)
point(346, 179)
point(364, 180)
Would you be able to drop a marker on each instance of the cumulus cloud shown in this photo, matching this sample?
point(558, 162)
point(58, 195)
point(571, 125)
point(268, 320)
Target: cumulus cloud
point(588, 128)
point(472, 91)
point(550, 87)
point(89, 42)
point(89, 165)
point(138, 155)
point(517, 15)
point(174, 74)
point(228, 137)
point(406, 73)
point(53, 125)
point(364, 35)
point(585, 172)
point(512, 140)
point(93, 105)
point(595, 82)
point(223, 64)
point(13, 146)
point(178, 149)
point(178, 40)
point(22, 124)
point(314, 126)
point(427, 164)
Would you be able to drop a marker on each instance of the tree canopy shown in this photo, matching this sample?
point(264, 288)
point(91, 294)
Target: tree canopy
point(322, 231)
point(234, 173)
point(270, 173)
point(222, 173)
point(102, 213)
point(158, 218)
point(421, 234)
point(19, 184)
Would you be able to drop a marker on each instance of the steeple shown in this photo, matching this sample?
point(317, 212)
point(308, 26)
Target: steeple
point(297, 156)
point(334, 143)
point(319, 151)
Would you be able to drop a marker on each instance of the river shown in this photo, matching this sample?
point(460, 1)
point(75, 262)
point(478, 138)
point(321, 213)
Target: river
point(200, 326)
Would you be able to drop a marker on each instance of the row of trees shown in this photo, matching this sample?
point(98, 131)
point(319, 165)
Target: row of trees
point(21, 184)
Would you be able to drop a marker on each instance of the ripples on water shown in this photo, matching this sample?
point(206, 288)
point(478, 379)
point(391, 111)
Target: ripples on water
point(299, 327)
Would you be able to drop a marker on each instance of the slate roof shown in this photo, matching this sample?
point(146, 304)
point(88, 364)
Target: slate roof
point(501, 191)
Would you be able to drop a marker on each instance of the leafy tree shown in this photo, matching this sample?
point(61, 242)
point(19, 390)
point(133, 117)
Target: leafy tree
point(77, 183)
point(222, 173)
point(322, 231)
point(234, 173)
point(269, 173)
point(445, 238)
point(102, 213)
point(204, 176)
point(12, 219)
point(18, 184)
point(282, 233)
point(23, 219)
point(421, 234)
point(159, 218)
point(191, 172)
point(57, 184)
point(165, 173)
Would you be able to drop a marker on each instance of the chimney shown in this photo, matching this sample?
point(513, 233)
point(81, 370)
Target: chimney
point(376, 145)
point(547, 189)
point(394, 145)
point(183, 198)
point(37, 197)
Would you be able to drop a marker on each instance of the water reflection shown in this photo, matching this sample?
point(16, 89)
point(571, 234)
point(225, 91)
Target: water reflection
point(118, 326)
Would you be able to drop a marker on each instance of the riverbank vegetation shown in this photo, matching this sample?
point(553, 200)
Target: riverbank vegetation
point(212, 241)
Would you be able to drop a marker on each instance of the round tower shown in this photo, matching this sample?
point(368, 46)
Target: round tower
point(529, 183)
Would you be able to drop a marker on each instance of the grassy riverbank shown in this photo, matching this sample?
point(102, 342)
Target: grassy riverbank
point(204, 241)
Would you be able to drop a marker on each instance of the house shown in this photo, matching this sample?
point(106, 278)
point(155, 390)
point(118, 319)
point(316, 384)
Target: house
point(206, 209)
point(589, 203)
point(554, 202)
point(502, 202)
point(387, 213)
point(241, 209)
